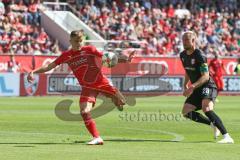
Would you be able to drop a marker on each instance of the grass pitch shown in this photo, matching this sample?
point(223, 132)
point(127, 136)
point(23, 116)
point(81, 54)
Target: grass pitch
point(153, 129)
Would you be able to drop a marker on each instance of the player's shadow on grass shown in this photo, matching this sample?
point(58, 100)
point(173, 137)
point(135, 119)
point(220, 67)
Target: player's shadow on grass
point(138, 140)
point(153, 140)
point(198, 142)
point(30, 144)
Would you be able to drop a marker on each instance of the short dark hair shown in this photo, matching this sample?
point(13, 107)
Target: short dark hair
point(76, 33)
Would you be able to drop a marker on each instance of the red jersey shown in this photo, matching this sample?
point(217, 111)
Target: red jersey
point(216, 65)
point(86, 65)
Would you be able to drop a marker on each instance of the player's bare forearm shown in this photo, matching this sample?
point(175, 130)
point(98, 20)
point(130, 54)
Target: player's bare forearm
point(189, 90)
point(203, 79)
point(41, 69)
point(186, 80)
point(44, 68)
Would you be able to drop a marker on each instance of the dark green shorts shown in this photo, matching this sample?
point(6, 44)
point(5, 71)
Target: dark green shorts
point(199, 94)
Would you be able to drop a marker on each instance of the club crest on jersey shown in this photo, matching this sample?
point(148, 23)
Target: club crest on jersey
point(31, 88)
point(192, 61)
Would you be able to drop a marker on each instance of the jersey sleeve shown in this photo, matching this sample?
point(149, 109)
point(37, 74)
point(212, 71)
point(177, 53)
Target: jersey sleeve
point(61, 59)
point(201, 58)
point(182, 58)
point(94, 51)
point(202, 62)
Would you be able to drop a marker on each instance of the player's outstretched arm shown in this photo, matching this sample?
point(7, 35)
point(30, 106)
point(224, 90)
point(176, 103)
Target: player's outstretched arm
point(42, 69)
point(125, 59)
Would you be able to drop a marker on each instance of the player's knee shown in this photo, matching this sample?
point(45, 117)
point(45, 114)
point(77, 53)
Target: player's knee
point(206, 109)
point(85, 107)
point(187, 109)
point(184, 112)
point(83, 112)
point(207, 105)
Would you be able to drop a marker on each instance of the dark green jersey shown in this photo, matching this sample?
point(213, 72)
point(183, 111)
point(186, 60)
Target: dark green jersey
point(194, 64)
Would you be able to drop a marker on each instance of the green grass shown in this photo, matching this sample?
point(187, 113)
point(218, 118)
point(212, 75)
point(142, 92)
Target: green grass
point(29, 129)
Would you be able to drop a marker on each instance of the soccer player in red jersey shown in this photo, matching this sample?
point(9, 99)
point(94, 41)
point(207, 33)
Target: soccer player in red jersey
point(85, 62)
point(216, 66)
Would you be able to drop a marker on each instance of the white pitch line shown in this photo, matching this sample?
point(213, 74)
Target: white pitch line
point(177, 137)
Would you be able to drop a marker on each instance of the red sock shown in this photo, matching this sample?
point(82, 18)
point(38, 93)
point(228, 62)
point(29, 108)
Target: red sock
point(90, 124)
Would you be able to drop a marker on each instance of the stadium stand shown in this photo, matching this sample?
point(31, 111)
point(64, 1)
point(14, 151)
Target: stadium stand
point(159, 24)
point(20, 29)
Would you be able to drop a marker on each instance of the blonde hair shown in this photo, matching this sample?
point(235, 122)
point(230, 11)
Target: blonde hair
point(192, 33)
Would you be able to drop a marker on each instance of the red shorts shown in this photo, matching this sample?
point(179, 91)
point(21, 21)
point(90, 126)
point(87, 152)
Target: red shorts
point(90, 94)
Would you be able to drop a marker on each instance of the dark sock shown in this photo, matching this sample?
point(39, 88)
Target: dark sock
point(197, 117)
point(216, 121)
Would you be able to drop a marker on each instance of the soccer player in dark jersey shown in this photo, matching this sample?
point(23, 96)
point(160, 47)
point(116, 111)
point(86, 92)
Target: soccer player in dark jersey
point(216, 66)
point(85, 62)
point(202, 91)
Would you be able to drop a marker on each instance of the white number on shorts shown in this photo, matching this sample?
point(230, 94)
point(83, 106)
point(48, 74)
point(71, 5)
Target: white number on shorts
point(205, 91)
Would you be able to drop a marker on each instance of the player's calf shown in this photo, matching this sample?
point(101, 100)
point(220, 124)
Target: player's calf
point(188, 112)
point(216, 121)
point(197, 117)
point(86, 116)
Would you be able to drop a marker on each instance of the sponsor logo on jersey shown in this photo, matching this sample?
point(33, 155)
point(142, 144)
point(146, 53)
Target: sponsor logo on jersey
point(78, 62)
point(192, 61)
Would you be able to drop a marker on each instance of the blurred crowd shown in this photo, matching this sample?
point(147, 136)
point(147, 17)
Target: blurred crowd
point(159, 24)
point(20, 29)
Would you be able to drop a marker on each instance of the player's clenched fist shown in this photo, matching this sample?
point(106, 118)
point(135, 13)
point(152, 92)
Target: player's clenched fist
point(188, 91)
point(30, 77)
point(119, 100)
